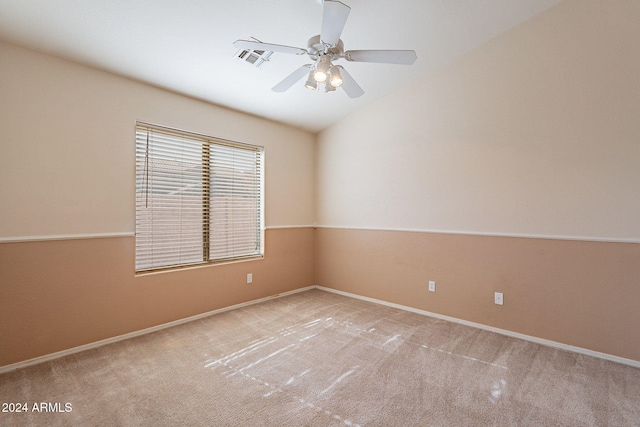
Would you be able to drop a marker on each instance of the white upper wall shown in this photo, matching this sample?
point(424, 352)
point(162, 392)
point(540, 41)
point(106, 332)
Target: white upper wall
point(535, 133)
point(67, 139)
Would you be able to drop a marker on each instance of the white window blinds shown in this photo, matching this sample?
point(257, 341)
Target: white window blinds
point(198, 199)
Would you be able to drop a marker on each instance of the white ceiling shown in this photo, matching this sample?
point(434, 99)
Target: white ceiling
point(186, 45)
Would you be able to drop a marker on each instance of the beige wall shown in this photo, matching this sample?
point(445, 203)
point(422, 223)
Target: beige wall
point(535, 133)
point(67, 135)
point(579, 293)
point(67, 169)
point(60, 294)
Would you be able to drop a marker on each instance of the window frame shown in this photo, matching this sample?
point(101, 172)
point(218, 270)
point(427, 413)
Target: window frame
point(206, 143)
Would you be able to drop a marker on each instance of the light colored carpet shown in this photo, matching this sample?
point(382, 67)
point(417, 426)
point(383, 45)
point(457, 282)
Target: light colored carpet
point(320, 359)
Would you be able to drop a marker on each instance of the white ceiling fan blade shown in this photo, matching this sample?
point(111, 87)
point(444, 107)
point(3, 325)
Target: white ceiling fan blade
point(268, 47)
point(349, 85)
point(334, 17)
point(292, 78)
point(403, 57)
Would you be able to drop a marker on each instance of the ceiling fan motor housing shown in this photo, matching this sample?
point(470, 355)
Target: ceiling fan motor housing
point(315, 48)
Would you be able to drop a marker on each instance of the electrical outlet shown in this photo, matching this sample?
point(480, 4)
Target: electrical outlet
point(250, 278)
point(498, 298)
point(432, 286)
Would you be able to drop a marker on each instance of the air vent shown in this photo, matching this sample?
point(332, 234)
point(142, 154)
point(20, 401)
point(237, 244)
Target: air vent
point(253, 57)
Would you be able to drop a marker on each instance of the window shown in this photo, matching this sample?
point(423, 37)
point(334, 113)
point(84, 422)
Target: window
point(198, 199)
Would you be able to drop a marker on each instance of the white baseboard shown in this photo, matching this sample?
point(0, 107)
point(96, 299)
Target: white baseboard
point(63, 353)
point(548, 343)
point(541, 341)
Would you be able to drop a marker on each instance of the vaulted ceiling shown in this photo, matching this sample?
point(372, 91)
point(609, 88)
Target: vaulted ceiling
point(187, 46)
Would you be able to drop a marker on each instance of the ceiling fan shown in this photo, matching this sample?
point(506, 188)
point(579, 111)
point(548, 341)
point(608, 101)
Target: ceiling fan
point(326, 48)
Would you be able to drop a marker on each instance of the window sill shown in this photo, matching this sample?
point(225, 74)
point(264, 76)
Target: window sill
point(196, 266)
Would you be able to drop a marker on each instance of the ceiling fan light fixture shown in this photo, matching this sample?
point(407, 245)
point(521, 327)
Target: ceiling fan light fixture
point(335, 79)
point(328, 88)
point(321, 73)
point(311, 84)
